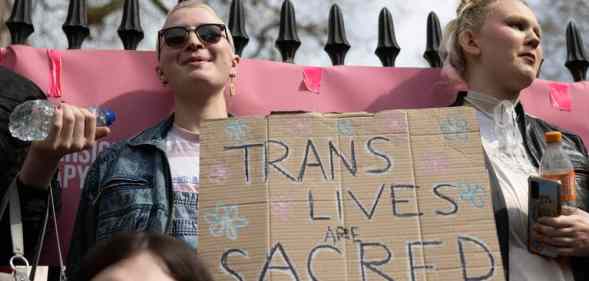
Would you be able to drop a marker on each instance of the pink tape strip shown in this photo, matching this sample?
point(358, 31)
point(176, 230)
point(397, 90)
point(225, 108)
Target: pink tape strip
point(55, 84)
point(560, 97)
point(3, 53)
point(312, 78)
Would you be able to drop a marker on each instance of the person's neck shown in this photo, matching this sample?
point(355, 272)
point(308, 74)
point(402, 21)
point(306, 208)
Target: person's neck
point(480, 82)
point(190, 113)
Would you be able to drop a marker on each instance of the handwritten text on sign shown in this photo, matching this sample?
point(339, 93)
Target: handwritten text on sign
point(398, 195)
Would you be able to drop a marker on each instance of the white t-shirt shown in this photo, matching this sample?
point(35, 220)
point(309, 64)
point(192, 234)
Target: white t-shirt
point(183, 152)
point(512, 168)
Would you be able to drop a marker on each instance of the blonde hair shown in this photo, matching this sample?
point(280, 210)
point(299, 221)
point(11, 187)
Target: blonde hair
point(470, 16)
point(196, 4)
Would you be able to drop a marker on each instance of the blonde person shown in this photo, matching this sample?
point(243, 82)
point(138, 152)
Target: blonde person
point(494, 49)
point(150, 182)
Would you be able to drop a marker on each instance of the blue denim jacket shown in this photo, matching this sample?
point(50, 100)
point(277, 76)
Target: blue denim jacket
point(127, 189)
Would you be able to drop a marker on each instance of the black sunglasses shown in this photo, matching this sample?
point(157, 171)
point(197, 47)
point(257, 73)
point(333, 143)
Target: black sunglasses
point(177, 36)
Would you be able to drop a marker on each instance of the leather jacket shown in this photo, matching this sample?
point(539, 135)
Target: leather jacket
point(532, 130)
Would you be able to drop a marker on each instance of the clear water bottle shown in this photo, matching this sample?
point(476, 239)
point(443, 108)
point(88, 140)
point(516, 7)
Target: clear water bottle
point(556, 165)
point(31, 120)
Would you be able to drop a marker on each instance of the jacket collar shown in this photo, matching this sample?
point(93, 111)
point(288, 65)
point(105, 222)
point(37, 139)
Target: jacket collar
point(154, 135)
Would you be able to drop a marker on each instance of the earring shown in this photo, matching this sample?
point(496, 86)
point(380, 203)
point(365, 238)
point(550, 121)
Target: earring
point(162, 77)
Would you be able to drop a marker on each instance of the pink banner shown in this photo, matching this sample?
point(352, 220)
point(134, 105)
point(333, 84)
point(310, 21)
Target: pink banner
point(561, 104)
point(126, 82)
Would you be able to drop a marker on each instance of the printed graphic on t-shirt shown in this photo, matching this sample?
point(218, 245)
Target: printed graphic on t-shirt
point(182, 149)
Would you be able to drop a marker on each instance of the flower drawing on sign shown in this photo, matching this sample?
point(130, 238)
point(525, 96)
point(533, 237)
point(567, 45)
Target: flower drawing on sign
point(397, 125)
point(436, 164)
point(454, 128)
point(395, 121)
point(281, 207)
point(344, 127)
point(218, 173)
point(302, 127)
point(225, 221)
point(472, 193)
point(237, 130)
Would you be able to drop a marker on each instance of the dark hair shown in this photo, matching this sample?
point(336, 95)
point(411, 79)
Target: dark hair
point(14, 90)
point(180, 259)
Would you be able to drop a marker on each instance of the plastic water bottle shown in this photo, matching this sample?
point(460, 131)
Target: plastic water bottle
point(31, 120)
point(556, 165)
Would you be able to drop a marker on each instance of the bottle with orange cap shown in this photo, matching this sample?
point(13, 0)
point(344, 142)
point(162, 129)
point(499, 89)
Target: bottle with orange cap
point(556, 165)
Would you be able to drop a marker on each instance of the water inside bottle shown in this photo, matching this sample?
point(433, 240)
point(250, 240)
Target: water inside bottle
point(31, 120)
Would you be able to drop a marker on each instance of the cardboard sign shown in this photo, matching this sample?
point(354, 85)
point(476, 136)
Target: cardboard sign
point(396, 195)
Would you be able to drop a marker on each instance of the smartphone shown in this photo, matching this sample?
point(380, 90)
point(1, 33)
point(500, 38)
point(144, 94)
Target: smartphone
point(543, 201)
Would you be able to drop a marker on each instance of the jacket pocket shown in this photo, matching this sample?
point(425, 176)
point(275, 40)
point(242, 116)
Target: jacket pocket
point(123, 205)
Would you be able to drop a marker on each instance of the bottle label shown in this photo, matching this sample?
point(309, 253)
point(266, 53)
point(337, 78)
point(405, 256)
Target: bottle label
point(567, 189)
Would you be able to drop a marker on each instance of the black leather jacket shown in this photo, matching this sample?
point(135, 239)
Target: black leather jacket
point(532, 130)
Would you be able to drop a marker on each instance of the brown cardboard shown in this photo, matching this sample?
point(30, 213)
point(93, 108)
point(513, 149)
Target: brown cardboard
point(415, 206)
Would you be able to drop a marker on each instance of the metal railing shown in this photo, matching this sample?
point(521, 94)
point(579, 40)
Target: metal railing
point(131, 33)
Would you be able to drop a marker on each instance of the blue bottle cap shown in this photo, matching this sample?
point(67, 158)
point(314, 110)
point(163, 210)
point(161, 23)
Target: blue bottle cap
point(109, 116)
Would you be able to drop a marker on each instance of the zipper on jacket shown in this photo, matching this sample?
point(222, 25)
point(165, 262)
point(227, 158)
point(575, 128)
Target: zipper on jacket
point(128, 182)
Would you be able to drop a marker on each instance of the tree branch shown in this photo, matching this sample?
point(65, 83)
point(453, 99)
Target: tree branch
point(97, 14)
point(160, 6)
point(263, 38)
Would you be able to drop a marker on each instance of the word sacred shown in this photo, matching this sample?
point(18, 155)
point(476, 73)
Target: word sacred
point(278, 260)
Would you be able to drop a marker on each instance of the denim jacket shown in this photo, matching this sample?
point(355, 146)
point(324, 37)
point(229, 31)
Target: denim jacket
point(127, 189)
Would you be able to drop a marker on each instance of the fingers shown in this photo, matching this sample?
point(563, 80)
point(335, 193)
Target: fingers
point(550, 231)
point(73, 129)
point(558, 222)
point(69, 123)
point(570, 251)
point(56, 126)
point(561, 242)
point(79, 141)
point(89, 128)
point(101, 132)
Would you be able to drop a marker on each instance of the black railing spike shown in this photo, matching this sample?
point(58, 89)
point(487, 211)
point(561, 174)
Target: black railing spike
point(337, 45)
point(288, 41)
point(76, 25)
point(576, 62)
point(434, 38)
point(19, 23)
point(237, 26)
point(388, 48)
point(130, 30)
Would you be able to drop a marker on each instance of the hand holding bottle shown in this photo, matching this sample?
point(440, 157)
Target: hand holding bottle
point(72, 129)
point(569, 234)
